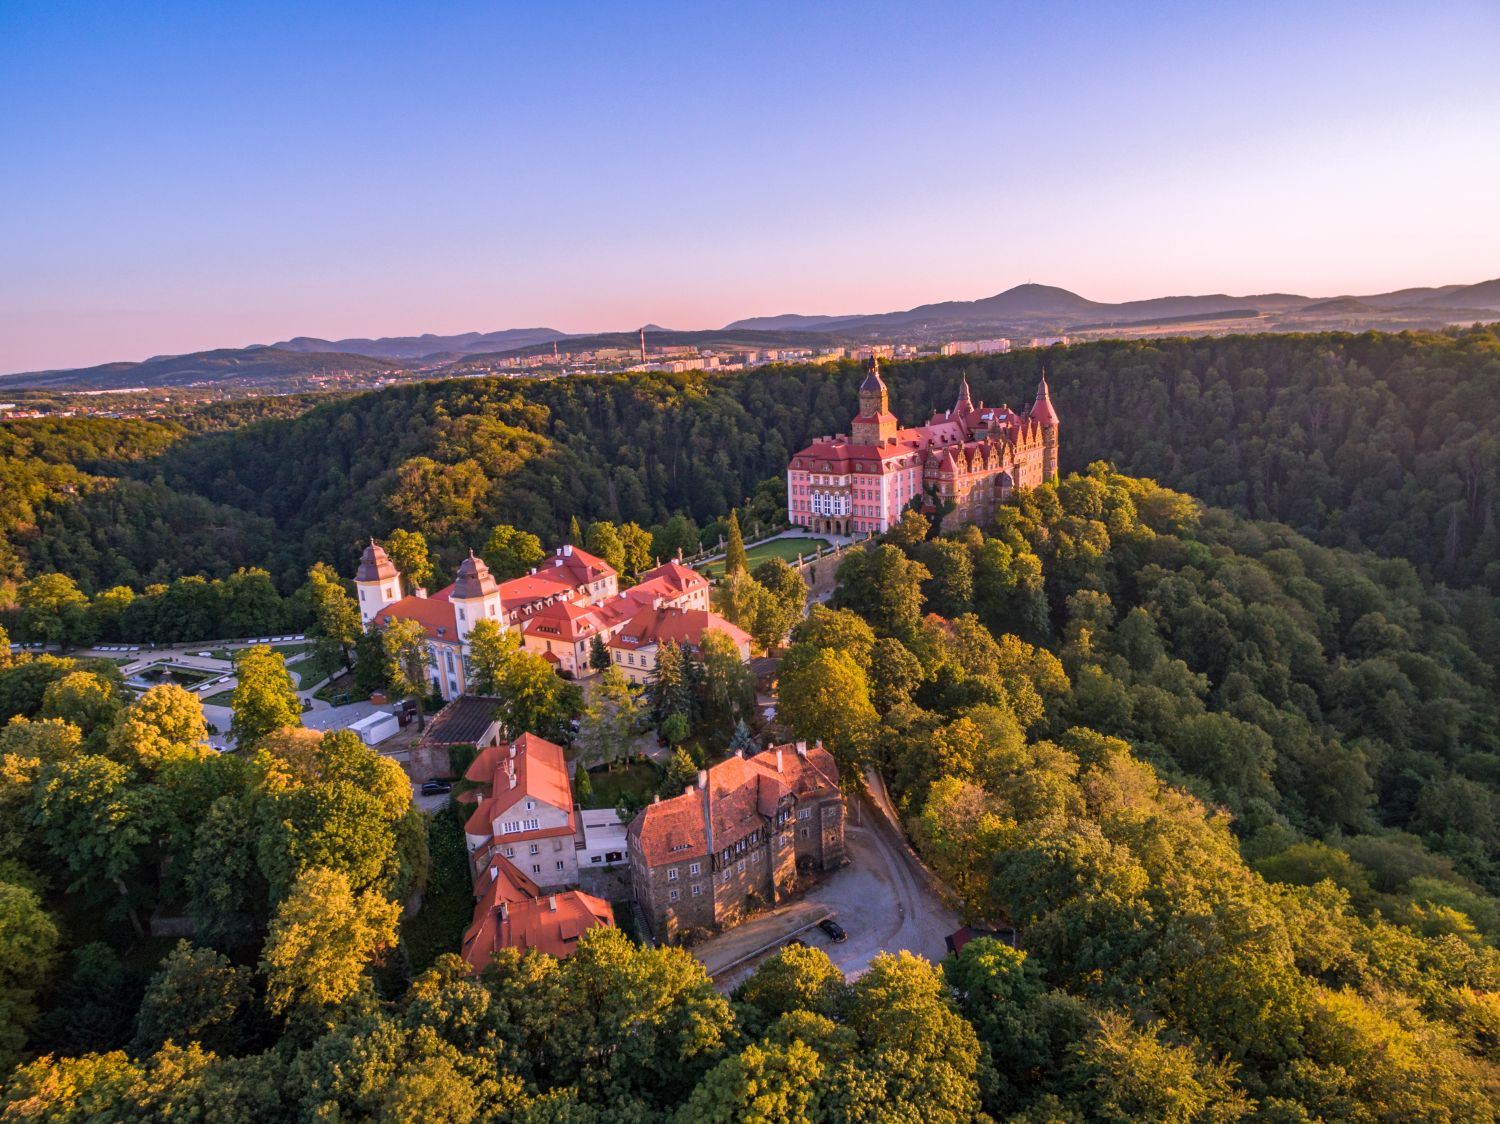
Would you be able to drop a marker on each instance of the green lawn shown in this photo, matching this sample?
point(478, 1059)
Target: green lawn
point(314, 668)
point(637, 781)
point(223, 698)
point(787, 549)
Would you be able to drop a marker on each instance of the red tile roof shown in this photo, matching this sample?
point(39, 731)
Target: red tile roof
point(681, 626)
point(540, 772)
point(513, 913)
point(743, 794)
point(434, 614)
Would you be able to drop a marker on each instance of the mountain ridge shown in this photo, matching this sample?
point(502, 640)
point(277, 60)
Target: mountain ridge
point(1021, 310)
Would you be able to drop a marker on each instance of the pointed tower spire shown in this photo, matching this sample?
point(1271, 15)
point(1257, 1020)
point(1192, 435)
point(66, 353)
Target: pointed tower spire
point(964, 403)
point(1043, 410)
point(1045, 415)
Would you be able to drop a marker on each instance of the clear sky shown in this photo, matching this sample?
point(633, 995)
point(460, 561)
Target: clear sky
point(213, 173)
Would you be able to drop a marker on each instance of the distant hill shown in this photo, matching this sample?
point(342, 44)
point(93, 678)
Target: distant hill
point(1486, 294)
point(787, 322)
point(248, 367)
point(308, 363)
point(1032, 307)
point(1339, 304)
point(424, 346)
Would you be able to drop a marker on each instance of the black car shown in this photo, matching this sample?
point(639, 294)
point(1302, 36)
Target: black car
point(834, 930)
point(436, 788)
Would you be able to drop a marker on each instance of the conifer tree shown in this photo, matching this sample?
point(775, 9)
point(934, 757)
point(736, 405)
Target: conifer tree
point(575, 532)
point(735, 561)
point(598, 654)
point(671, 686)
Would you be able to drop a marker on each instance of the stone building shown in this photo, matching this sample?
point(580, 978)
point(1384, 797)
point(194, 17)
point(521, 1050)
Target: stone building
point(742, 838)
point(972, 456)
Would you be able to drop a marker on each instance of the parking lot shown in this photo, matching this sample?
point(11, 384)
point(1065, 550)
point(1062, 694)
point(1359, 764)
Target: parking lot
point(880, 898)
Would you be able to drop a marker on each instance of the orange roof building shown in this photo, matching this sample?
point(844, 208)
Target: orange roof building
point(513, 912)
point(523, 811)
point(636, 643)
point(559, 607)
point(564, 631)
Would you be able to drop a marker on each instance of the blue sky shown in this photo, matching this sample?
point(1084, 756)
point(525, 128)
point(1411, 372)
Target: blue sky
point(188, 175)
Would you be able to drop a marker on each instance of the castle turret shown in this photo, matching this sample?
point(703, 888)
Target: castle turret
point(875, 423)
point(475, 595)
point(1044, 414)
point(378, 582)
point(964, 404)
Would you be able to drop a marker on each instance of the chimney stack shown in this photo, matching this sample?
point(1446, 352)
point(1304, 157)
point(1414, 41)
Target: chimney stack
point(801, 749)
point(702, 778)
point(504, 911)
point(778, 759)
point(552, 903)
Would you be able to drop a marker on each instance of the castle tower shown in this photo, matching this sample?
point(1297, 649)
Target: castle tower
point(1042, 411)
point(875, 423)
point(475, 596)
point(378, 582)
point(964, 404)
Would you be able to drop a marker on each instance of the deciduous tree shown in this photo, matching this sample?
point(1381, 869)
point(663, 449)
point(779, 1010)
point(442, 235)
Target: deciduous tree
point(265, 699)
point(322, 939)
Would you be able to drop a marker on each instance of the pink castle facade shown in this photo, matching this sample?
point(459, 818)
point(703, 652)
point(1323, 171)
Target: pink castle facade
point(973, 456)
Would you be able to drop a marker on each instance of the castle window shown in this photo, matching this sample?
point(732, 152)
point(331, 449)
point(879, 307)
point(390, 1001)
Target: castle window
point(673, 895)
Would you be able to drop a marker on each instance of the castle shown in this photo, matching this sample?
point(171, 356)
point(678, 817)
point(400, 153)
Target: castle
point(972, 456)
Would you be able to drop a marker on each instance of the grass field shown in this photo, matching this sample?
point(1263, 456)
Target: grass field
point(315, 667)
point(786, 549)
point(223, 698)
point(638, 781)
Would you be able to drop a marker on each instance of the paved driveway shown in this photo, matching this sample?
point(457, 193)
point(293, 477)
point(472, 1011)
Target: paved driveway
point(881, 899)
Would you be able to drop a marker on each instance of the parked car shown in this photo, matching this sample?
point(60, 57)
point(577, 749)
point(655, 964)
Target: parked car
point(435, 788)
point(834, 930)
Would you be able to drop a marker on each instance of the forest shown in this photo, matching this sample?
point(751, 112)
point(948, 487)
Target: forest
point(1236, 791)
point(1377, 441)
point(1223, 749)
